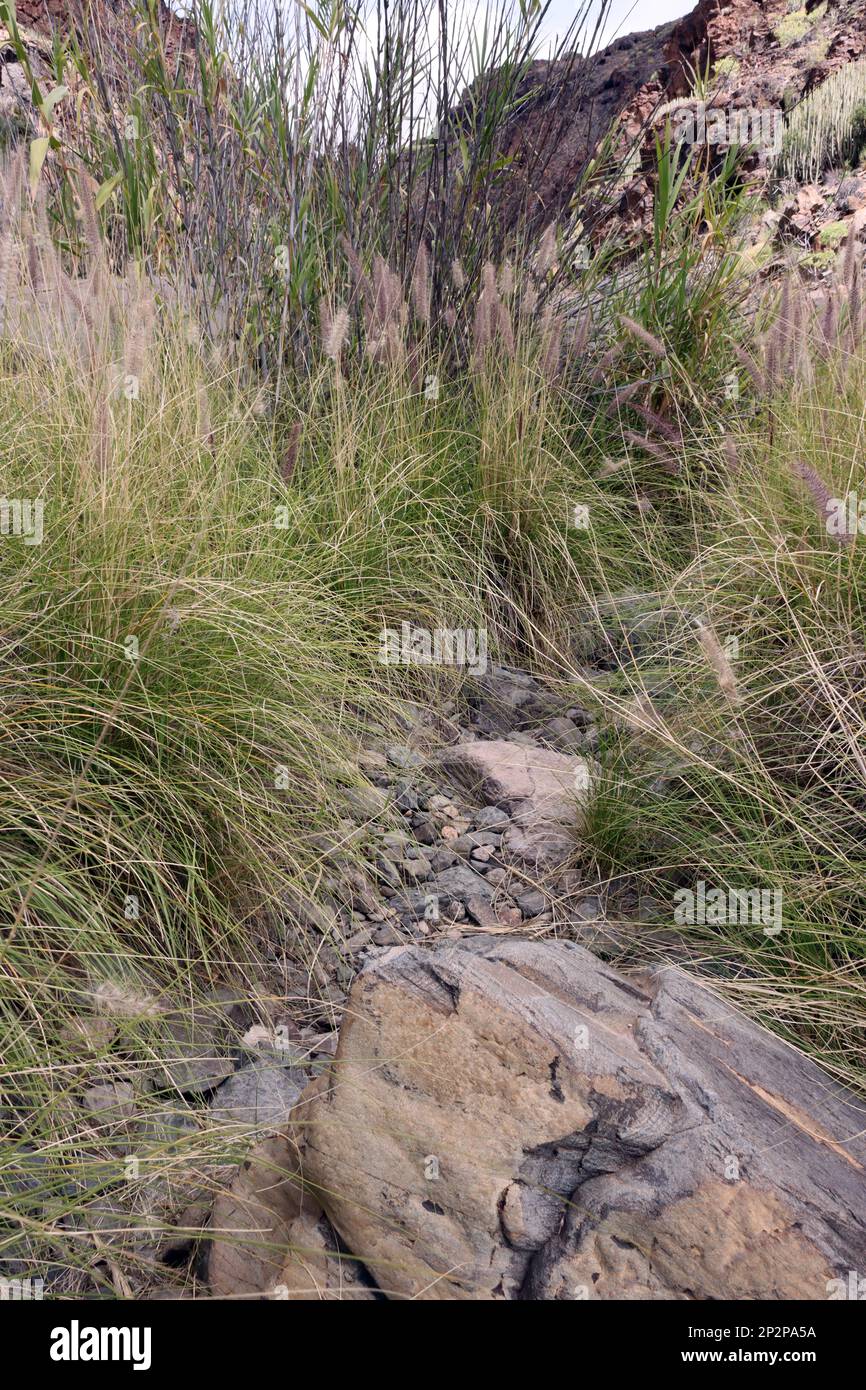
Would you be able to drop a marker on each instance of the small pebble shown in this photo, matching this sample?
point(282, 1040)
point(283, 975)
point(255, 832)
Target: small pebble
point(442, 859)
point(388, 872)
point(387, 935)
point(531, 902)
point(463, 845)
point(425, 830)
point(399, 755)
point(405, 799)
point(415, 869)
point(371, 760)
point(497, 877)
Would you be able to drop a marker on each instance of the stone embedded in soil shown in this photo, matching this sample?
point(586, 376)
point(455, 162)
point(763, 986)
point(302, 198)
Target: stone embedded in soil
point(483, 838)
point(394, 844)
point(307, 913)
point(387, 872)
point(358, 940)
point(371, 760)
point(531, 902)
point(498, 877)
point(271, 1238)
point(462, 846)
point(542, 790)
point(399, 755)
point(407, 900)
point(111, 1106)
point(562, 735)
point(415, 870)
point(588, 909)
point(258, 1097)
point(532, 784)
point(442, 859)
point(424, 828)
point(539, 848)
point(165, 1128)
point(502, 700)
point(368, 803)
point(314, 1268)
point(110, 1101)
point(405, 797)
point(362, 896)
point(492, 918)
point(387, 935)
point(462, 883)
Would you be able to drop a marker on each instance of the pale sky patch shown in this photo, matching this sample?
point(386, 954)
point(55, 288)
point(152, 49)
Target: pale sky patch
point(625, 16)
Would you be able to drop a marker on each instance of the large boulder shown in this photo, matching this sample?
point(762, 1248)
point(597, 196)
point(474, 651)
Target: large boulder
point(514, 1119)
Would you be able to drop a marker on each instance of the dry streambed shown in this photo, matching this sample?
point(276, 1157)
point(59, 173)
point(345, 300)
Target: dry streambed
point(470, 1104)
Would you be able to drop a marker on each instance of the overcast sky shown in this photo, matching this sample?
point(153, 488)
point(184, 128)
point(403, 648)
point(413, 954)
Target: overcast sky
point(626, 16)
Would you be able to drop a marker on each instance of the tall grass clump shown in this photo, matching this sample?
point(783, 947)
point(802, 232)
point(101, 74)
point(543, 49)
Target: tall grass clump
point(191, 656)
point(248, 157)
point(828, 127)
point(736, 715)
point(184, 687)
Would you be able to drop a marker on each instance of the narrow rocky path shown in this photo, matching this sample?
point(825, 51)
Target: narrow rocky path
point(472, 825)
point(468, 830)
point(490, 820)
point(498, 1090)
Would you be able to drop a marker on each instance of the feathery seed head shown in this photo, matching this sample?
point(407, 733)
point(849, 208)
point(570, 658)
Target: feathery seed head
point(545, 256)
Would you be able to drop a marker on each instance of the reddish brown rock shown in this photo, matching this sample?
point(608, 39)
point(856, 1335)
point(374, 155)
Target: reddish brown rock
point(567, 106)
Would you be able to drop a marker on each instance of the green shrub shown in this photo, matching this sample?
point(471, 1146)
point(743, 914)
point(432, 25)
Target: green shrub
point(832, 234)
point(796, 25)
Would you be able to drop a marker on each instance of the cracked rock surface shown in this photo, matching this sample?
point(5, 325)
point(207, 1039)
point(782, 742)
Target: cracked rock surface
point(516, 1119)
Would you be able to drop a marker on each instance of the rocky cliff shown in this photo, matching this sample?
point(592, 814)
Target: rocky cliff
point(745, 55)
